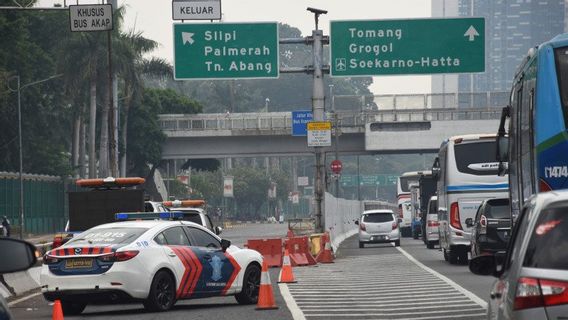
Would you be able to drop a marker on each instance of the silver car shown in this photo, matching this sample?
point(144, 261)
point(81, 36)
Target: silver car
point(533, 273)
point(378, 226)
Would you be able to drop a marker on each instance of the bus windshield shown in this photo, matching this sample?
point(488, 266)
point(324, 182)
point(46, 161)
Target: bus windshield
point(405, 183)
point(477, 158)
point(562, 72)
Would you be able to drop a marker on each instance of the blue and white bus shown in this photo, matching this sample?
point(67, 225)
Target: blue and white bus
point(536, 142)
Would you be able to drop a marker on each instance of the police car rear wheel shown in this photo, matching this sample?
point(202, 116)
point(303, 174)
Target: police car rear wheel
point(162, 293)
point(251, 285)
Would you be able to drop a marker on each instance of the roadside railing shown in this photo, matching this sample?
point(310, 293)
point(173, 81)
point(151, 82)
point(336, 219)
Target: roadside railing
point(278, 121)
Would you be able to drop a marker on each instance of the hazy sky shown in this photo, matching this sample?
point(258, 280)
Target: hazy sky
point(154, 19)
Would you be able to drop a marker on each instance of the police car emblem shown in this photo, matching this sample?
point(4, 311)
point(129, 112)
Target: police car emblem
point(216, 264)
point(78, 250)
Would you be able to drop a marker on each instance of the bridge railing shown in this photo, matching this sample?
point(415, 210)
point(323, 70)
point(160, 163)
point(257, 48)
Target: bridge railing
point(283, 121)
point(356, 111)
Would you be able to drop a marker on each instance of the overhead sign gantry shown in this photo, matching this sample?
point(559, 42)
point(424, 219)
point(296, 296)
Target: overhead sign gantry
point(226, 50)
point(417, 46)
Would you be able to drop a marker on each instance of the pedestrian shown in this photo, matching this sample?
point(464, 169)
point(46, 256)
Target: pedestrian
point(6, 226)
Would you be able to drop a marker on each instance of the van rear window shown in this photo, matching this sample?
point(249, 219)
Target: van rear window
point(378, 217)
point(548, 245)
point(477, 158)
point(498, 209)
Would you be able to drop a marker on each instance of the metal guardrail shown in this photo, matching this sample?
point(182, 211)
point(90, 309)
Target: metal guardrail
point(356, 111)
point(282, 120)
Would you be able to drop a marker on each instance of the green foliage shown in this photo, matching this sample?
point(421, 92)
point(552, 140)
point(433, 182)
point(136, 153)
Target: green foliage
point(144, 132)
point(207, 185)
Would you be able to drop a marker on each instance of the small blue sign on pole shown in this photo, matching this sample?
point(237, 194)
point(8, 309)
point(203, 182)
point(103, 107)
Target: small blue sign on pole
point(300, 120)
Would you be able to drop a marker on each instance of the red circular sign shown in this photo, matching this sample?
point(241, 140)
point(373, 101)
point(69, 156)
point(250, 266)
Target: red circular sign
point(336, 166)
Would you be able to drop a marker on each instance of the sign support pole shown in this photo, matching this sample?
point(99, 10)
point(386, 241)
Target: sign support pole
point(318, 111)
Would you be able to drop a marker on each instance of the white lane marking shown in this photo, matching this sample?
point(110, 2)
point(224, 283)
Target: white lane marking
point(359, 316)
point(398, 314)
point(461, 289)
point(23, 299)
point(372, 287)
point(414, 303)
point(297, 313)
point(406, 293)
point(358, 299)
point(341, 308)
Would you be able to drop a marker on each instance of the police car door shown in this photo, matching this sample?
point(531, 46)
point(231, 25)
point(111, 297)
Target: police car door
point(219, 268)
point(185, 263)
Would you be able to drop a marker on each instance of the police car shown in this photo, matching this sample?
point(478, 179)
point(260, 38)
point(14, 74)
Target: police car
point(155, 262)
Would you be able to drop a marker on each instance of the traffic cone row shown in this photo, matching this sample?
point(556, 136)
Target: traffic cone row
point(265, 293)
point(57, 311)
point(325, 256)
point(286, 274)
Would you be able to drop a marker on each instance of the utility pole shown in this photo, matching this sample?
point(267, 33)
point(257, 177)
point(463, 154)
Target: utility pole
point(317, 40)
point(318, 105)
point(113, 103)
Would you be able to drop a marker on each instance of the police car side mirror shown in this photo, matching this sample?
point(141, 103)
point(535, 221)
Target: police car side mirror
point(218, 230)
point(357, 222)
point(16, 255)
point(225, 244)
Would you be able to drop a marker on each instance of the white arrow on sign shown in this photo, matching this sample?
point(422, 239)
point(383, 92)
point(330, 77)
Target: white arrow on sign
point(187, 37)
point(471, 33)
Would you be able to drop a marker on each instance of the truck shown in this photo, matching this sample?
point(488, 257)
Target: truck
point(98, 204)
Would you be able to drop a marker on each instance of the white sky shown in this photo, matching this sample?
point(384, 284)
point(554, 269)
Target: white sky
point(154, 19)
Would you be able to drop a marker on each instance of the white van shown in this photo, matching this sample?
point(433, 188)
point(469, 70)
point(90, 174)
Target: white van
point(466, 171)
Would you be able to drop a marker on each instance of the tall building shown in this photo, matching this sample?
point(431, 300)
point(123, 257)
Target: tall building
point(512, 27)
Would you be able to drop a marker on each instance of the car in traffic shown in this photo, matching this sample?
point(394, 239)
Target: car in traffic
point(15, 255)
point(533, 272)
point(156, 262)
point(432, 236)
point(491, 227)
point(193, 211)
point(378, 226)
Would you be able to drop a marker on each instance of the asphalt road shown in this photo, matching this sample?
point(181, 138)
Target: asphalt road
point(354, 287)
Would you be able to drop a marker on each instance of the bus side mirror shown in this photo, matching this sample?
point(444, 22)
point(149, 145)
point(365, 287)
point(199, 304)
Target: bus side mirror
point(502, 148)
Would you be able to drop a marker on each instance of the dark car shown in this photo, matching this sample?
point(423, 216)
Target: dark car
point(491, 227)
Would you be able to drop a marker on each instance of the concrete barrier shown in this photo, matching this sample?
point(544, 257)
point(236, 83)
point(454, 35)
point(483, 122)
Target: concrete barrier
point(21, 282)
point(340, 216)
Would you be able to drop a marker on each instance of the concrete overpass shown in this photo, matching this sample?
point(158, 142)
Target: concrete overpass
point(384, 124)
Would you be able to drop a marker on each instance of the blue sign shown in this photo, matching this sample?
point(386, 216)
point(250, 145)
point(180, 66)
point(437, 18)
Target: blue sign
point(299, 122)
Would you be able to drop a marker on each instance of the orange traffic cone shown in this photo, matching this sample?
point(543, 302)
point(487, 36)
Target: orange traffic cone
point(325, 256)
point(265, 294)
point(286, 274)
point(57, 311)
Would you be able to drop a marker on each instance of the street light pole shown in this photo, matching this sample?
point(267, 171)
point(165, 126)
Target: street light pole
point(19, 89)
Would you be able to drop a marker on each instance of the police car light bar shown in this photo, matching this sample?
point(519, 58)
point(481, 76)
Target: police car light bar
point(167, 215)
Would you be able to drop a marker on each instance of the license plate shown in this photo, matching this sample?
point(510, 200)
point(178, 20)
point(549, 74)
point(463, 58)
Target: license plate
point(380, 237)
point(79, 263)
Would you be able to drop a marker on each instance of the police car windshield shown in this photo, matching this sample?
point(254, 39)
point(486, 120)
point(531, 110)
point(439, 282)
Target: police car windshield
point(108, 236)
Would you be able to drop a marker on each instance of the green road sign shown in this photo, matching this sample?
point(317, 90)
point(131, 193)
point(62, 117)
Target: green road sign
point(420, 46)
point(381, 180)
point(226, 50)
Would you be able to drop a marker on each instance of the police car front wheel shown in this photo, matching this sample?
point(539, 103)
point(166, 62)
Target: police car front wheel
point(251, 285)
point(162, 293)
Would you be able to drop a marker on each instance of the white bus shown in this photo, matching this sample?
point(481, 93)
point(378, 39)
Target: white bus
point(466, 171)
point(403, 198)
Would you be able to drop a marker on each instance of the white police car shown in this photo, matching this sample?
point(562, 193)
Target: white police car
point(155, 262)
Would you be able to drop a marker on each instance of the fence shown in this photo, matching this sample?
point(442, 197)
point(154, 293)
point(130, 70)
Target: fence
point(44, 202)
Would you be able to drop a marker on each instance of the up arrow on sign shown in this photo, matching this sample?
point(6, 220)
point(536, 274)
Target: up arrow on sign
point(187, 37)
point(471, 32)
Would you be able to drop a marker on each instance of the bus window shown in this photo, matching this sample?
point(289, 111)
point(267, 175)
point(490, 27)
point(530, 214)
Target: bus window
point(476, 158)
point(562, 72)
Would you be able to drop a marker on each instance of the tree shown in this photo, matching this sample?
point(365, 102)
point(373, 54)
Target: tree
point(144, 132)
